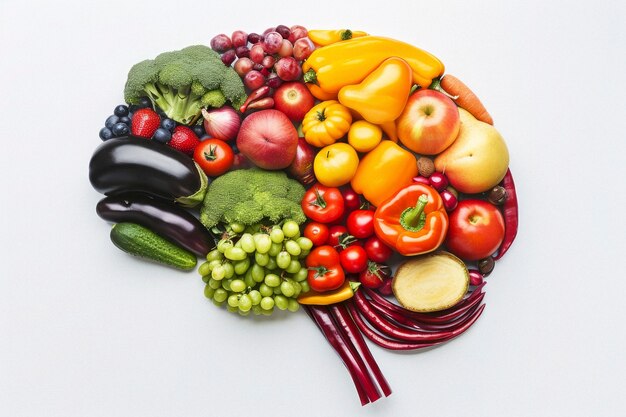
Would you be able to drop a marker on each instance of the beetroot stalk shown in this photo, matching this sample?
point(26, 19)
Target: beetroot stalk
point(511, 215)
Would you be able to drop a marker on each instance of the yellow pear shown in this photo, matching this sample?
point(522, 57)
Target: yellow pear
point(477, 160)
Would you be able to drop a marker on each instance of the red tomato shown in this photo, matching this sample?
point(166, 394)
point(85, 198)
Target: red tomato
point(325, 273)
point(317, 232)
point(374, 276)
point(377, 250)
point(351, 199)
point(335, 233)
point(214, 156)
point(353, 259)
point(323, 204)
point(360, 223)
point(476, 230)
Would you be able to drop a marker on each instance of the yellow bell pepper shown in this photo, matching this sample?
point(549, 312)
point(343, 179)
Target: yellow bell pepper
point(349, 62)
point(384, 171)
point(327, 37)
point(343, 293)
point(382, 95)
point(326, 123)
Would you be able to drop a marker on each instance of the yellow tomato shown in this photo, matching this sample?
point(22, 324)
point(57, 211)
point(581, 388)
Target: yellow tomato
point(364, 136)
point(335, 164)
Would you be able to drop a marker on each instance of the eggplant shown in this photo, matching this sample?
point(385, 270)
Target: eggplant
point(131, 164)
point(164, 218)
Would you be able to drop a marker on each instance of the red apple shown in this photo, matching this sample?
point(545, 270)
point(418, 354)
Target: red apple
point(294, 99)
point(429, 123)
point(268, 139)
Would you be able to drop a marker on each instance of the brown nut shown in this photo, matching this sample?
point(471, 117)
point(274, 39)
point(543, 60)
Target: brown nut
point(486, 265)
point(425, 166)
point(497, 195)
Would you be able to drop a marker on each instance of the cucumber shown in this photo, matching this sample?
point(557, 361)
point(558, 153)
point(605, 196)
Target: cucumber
point(144, 243)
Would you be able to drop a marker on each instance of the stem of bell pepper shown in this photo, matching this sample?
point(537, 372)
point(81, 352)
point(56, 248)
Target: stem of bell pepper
point(310, 76)
point(413, 218)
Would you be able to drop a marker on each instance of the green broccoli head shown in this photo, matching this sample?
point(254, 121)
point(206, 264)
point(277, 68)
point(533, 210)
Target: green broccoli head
point(251, 196)
point(214, 98)
point(178, 82)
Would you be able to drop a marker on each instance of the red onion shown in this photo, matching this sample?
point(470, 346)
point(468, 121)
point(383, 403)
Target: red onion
point(222, 123)
point(438, 181)
point(302, 166)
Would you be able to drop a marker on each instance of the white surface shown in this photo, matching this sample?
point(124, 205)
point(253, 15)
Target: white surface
point(88, 331)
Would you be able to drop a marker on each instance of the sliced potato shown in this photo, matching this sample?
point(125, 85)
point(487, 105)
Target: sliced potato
point(431, 282)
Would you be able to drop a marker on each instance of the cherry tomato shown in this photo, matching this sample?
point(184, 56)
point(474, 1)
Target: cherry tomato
point(214, 156)
point(353, 259)
point(360, 223)
point(335, 233)
point(377, 250)
point(374, 276)
point(323, 204)
point(325, 272)
point(476, 230)
point(318, 233)
point(351, 199)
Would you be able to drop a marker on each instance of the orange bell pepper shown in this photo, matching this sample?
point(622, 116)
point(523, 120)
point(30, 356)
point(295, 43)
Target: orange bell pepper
point(414, 221)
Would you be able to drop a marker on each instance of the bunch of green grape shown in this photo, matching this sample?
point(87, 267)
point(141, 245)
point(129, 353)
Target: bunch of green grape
point(257, 268)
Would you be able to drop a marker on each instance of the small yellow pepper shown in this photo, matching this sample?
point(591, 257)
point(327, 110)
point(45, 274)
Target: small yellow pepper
point(383, 171)
point(327, 37)
point(382, 95)
point(349, 62)
point(326, 123)
point(364, 136)
point(343, 293)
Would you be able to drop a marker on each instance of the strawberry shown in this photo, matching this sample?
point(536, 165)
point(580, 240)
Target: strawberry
point(144, 123)
point(184, 140)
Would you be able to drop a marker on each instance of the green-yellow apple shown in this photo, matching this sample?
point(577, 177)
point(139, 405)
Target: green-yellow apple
point(429, 122)
point(478, 158)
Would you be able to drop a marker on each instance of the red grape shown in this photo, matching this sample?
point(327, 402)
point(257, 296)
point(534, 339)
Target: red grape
point(221, 43)
point(243, 66)
point(268, 61)
point(286, 48)
point(257, 53)
point(242, 52)
point(297, 32)
point(288, 69)
point(228, 57)
point(302, 48)
point(254, 38)
point(272, 42)
point(254, 79)
point(268, 30)
point(273, 80)
point(284, 31)
point(239, 38)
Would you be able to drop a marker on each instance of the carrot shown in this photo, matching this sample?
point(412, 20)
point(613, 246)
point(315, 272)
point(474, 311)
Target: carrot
point(464, 97)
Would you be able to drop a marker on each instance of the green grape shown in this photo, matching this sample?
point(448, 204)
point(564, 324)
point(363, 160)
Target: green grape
point(262, 242)
point(271, 264)
point(294, 266)
point(261, 258)
point(291, 228)
point(275, 249)
point(265, 290)
point(235, 254)
point(229, 269)
point(237, 285)
point(298, 289)
point(293, 248)
point(237, 227)
point(247, 243)
point(272, 280)
point(217, 303)
point(277, 235)
point(237, 245)
point(245, 303)
point(248, 280)
point(215, 284)
point(214, 255)
point(305, 286)
point(208, 292)
point(257, 272)
point(287, 289)
point(283, 259)
point(220, 295)
point(267, 312)
point(267, 303)
point(255, 297)
point(214, 263)
point(232, 309)
point(226, 283)
point(301, 275)
point(218, 273)
point(304, 253)
point(277, 291)
point(305, 243)
point(204, 269)
point(233, 300)
point(281, 302)
point(224, 244)
point(242, 266)
point(293, 305)
point(206, 278)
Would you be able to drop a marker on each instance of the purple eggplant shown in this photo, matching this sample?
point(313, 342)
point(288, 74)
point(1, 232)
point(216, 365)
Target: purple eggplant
point(166, 219)
point(131, 164)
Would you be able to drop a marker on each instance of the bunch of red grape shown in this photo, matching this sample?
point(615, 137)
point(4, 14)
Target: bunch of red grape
point(269, 58)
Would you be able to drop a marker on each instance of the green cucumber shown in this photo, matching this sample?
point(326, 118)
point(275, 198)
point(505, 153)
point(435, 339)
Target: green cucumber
point(144, 243)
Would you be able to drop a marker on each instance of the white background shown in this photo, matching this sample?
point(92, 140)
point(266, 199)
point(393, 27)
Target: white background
point(86, 330)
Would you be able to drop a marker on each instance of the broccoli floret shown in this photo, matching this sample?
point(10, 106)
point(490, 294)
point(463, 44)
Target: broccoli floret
point(182, 82)
point(250, 196)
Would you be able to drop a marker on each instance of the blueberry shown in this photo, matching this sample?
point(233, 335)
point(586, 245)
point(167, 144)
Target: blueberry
point(162, 135)
point(120, 129)
point(198, 130)
point(145, 102)
point(168, 124)
point(132, 108)
point(105, 133)
point(111, 120)
point(121, 110)
point(125, 120)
